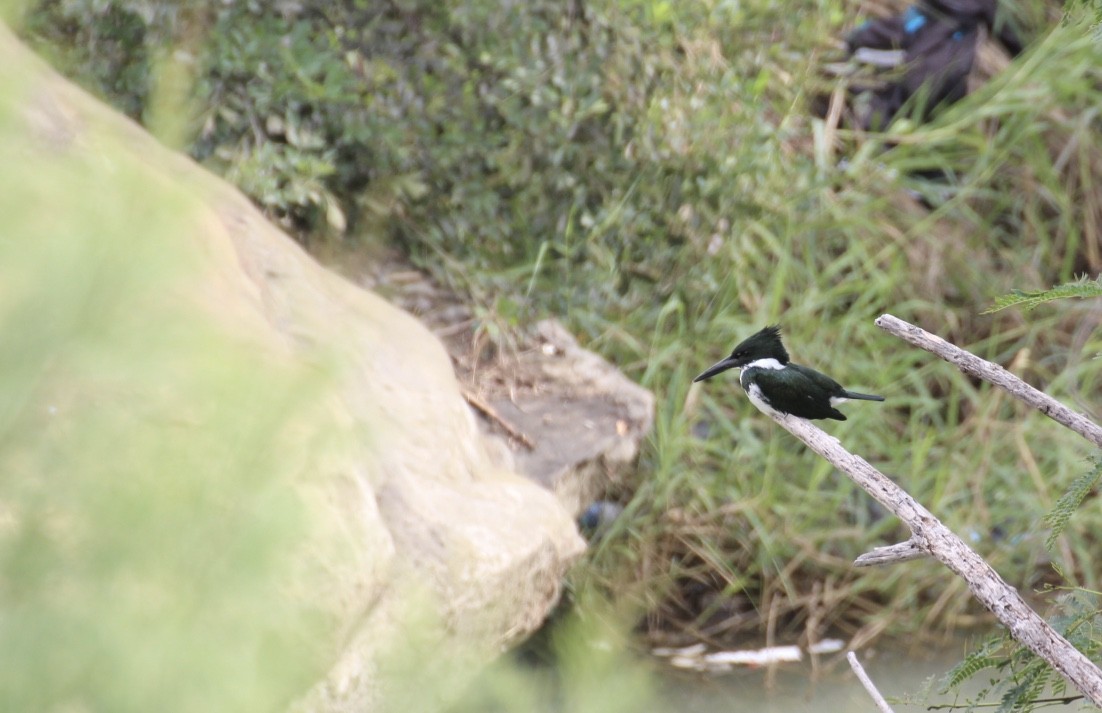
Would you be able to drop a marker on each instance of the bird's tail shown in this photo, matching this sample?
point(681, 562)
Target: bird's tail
point(863, 397)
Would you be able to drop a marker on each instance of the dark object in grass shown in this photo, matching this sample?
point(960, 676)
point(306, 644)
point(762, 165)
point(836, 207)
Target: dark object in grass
point(598, 518)
point(776, 385)
point(930, 50)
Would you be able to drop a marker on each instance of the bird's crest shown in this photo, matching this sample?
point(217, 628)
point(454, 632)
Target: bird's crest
point(765, 343)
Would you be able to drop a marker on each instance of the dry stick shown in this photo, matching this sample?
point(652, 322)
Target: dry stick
point(491, 413)
point(929, 535)
point(890, 554)
point(881, 704)
point(981, 368)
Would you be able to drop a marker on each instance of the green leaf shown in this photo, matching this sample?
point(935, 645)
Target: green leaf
point(1082, 288)
point(980, 659)
point(1069, 502)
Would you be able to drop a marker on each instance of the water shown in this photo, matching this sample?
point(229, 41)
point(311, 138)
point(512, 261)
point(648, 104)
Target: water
point(583, 668)
point(794, 689)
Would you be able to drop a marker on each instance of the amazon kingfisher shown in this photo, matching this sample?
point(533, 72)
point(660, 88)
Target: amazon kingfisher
point(776, 385)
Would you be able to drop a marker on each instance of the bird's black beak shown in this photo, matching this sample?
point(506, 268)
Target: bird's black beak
point(728, 363)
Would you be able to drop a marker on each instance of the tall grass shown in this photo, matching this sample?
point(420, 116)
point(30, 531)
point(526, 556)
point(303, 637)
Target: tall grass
point(736, 521)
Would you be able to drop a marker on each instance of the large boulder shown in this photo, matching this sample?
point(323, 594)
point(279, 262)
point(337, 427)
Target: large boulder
point(409, 521)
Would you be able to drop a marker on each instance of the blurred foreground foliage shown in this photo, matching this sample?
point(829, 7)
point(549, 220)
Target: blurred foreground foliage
point(650, 172)
point(148, 527)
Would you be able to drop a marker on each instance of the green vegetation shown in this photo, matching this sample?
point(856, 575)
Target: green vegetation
point(650, 173)
point(1026, 682)
point(1081, 288)
point(1070, 501)
point(1023, 681)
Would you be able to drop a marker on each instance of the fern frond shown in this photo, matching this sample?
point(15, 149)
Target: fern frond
point(982, 658)
point(1069, 502)
point(1031, 684)
point(1082, 288)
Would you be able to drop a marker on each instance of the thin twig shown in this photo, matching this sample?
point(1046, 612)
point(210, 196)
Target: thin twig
point(881, 704)
point(891, 554)
point(491, 413)
point(992, 373)
point(1061, 701)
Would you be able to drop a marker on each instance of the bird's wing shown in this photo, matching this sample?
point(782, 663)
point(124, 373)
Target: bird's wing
point(817, 382)
point(799, 391)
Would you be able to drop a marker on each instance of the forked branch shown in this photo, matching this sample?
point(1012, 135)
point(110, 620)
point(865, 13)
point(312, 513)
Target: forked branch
point(930, 536)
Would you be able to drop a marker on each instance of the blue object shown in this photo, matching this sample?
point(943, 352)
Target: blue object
point(958, 35)
point(591, 518)
point(913, 20)
point(598, 517)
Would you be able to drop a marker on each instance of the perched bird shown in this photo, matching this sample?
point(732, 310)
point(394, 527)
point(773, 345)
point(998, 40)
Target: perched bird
point(775, 385)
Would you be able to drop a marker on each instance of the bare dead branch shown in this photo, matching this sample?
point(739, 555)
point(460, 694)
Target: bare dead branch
point(930, 535)
point(491, 413)
point(992, 373)
point(881, 704)
point(891, 554)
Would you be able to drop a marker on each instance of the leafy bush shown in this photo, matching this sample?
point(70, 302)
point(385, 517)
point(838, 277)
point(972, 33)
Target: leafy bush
point(335, 111)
